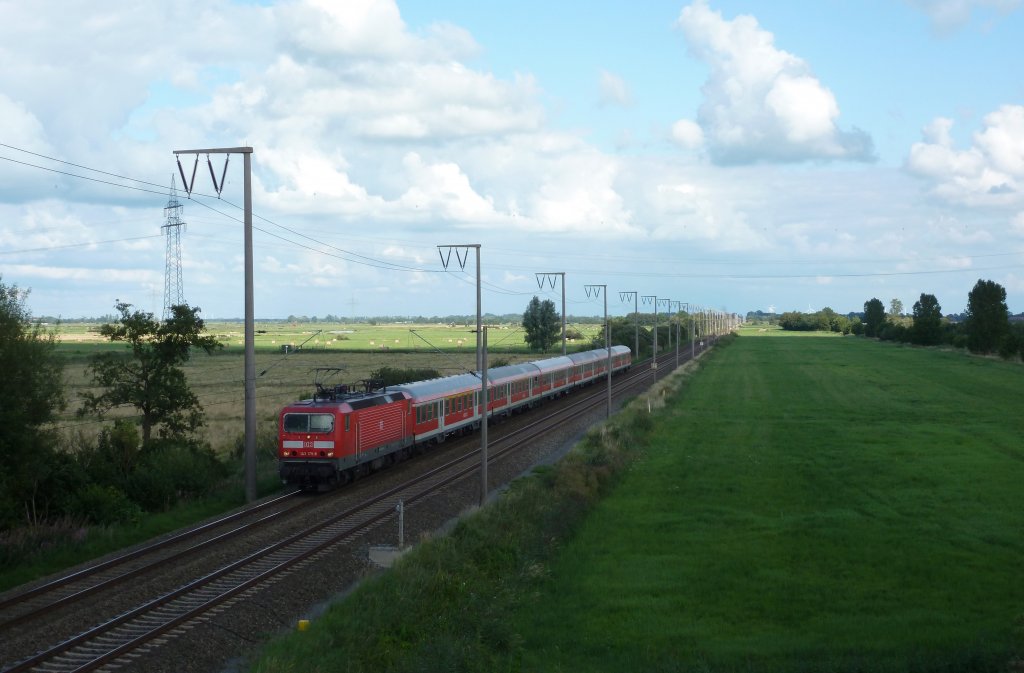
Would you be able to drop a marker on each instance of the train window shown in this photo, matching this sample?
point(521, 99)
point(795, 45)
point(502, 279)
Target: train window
point(321, 423)
point(346, 422)
point(309, 422)
point(296, 422)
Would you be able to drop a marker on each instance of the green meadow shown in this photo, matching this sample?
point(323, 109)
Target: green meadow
point(808, 504)
point(783, 504)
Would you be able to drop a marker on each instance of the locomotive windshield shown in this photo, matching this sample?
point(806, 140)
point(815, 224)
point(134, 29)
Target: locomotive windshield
point(308, 423)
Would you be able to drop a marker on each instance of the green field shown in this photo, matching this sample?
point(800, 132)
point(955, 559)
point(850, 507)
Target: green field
point(811, 504)
point(799, 504)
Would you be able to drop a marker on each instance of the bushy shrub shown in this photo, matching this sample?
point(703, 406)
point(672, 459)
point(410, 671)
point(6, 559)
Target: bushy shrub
point(266, 442)
point(40, 494)
point(1009, 346)
point(171, 471)
point(894, 332)
point(114, 456)
point(104, 505)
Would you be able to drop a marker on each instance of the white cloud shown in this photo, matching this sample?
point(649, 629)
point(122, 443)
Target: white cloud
point(701, 212)
point(948, 15)
point(578, 194)
point(613, 90)
point(443, 189)
point(989, 172)
point(20, 124)
point(687, 134)
point(762, 103)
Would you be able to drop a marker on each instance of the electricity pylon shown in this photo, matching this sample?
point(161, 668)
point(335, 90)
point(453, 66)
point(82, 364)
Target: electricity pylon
point(174, 291)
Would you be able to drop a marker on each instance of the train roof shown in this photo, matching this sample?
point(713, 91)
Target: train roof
point(588, 356)
point(502, 374)
point(453, 385)
point(434, 388)
point(431, 389)
point(354, 401)
point(553, 364)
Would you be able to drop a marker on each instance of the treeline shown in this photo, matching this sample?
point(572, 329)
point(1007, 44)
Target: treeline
point(825, 320)
point(985, 327)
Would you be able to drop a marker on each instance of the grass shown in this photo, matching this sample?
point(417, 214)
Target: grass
point(817, 504)
point(811, 504)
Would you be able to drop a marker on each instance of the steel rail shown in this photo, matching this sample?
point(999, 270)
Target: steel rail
point(94, 571)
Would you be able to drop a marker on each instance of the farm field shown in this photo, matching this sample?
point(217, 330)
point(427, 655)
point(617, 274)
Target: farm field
point(810, 504)
point(283, 377)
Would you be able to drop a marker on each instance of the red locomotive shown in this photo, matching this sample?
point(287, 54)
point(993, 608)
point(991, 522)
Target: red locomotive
point(340, 434)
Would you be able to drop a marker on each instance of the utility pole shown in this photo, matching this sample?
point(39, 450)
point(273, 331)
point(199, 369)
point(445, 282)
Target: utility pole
point(693, 335)
point(624, 297)
point(483, 425)
point(462, 259)
point(481, 350)
point(679, 307)
point(549, 277)
point(250, 329)
point(653, 299)
point(668, 312)
point(597, 290)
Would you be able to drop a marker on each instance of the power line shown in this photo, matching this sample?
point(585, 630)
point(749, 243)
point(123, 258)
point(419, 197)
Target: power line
point(78, 245)
point(368, 261)
point(394, 266)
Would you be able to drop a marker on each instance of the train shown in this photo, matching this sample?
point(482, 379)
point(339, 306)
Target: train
point(341, 433)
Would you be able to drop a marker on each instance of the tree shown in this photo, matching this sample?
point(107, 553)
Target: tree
point(150, 377)
point(32, 394)
point(874, 317)
point(927, 330)
point(895, 310)
point(987, 316)
point(542, 324)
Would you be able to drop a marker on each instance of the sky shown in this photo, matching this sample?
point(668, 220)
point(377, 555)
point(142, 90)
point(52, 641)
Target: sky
point(729, 154)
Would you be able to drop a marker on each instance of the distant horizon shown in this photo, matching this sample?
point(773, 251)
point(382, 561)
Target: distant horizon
point(469, 320)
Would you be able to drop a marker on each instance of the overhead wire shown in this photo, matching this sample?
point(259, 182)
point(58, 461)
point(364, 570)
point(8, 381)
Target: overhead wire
point(386, 265)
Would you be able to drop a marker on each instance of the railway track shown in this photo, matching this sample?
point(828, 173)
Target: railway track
point(115, 641)
point(68, 590)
